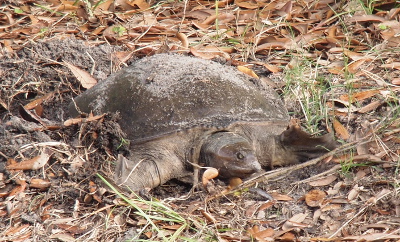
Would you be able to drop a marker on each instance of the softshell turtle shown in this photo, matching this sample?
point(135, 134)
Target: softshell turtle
point(179, 110)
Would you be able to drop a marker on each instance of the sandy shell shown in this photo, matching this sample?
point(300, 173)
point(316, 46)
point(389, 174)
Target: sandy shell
point(165, 93)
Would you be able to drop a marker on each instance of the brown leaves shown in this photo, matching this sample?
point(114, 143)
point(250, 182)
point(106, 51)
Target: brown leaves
point(210, 52)
point(86, 80)
point(91, 118)
point(32, 164)
point(209, 174)
point(247, 71)
point(40, 183)
point(37, 103)
point(359, 96)
point(262, 235)
point(323, 181)
point(314, 198)
point(340, 130)
point(183, 38)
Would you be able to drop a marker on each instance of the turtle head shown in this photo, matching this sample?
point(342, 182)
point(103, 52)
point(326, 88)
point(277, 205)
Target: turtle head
point(231, 154)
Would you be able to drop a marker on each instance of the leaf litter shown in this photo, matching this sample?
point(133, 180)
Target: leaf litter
point(349, 48)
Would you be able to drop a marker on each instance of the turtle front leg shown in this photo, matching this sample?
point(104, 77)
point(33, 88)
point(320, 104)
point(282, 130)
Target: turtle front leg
point(294, 146)
point(143, 170)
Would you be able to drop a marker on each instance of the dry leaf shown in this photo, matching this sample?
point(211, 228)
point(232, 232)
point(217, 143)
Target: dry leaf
point(287, 10)
point(365, 18)
point(40, 183)
point(372, 237)
point(331, 207)
point(370, 107)
point(269, 67)
point(366, 158)
point(353, 193)
point(359, 96)
point(393, 65)
point(260, 235)
point(396, 81)
point(222, 18)
point(38, 101)
point(39, 110)
point(354, 55)
point(3, 104)
point(208, 216)
point(18, 189)
point(14, 230)
point(314, 198)
point(276, 45)
point(336, 68)
point(251, 209)
point(203, 55)
point(32, 164)
point(184, 40)
point(340, 130)
point(172, 226)
point(121, 57)
point(246, 4)
point(200, 13)
point(298, 218)
point(210, 52)
point(355, 66)
point(267, 205)
point(323, 181)
point(201, 26)
point(4, 191)
point(287, 237)
point(141, 4)
point(30, 116)
point(247, 71)
point(91, 118)
point(62, 237)
point(317, 214)
point(272, 68)
point(295, 222)
point(73, 229)
point(84, 77)
point(103, 6)
point(234, 182)
point(209, 174)
point(360, 174)
point(281, 197)
point(264, 234)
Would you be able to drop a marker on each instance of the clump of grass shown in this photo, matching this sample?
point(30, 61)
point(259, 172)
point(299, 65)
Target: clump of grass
point(347, 165)
point(151, 211)
point(308, 89)
point(368, 5)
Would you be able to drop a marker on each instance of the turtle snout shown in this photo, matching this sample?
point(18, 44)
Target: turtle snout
point(241, 167)
point(245, 168)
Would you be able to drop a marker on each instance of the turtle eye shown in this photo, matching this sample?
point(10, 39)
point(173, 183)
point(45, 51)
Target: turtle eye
point(240, 155)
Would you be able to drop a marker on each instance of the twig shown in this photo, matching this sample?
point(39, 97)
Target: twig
point(333, 169)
